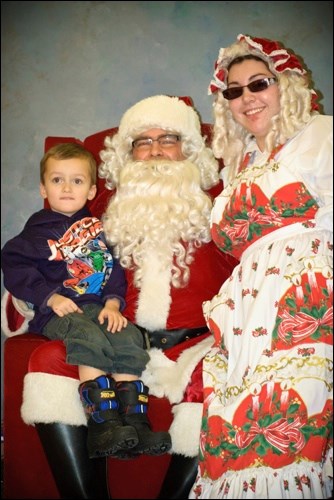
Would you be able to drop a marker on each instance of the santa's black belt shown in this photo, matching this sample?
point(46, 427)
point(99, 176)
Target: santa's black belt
point(164, 339)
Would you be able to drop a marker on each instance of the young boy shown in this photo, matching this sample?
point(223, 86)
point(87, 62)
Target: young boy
point(61, 263)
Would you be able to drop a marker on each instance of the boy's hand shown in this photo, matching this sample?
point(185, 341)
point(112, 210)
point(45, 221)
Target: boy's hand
point(62, 305)
point(110, 312)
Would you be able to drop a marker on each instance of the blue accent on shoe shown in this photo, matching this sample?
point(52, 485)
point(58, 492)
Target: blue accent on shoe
point(139, 385)
point(109, 404)
point(85, 396)
point(103, 382)
point(141, 409)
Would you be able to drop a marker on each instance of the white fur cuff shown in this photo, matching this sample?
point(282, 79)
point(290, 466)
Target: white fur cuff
point(51, 398)
point(185, 429)
point(168, 378)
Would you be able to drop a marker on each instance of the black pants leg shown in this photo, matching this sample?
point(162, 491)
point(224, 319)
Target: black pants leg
point(75, 474)
point(179, 478)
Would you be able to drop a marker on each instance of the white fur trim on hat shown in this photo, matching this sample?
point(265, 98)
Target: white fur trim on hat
point(51, 398)
point(185, 429)
point(161, 111)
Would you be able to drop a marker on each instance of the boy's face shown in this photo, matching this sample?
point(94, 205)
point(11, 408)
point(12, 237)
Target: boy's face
point(67, 185)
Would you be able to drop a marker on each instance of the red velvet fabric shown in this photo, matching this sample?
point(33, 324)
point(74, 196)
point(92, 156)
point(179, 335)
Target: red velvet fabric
point(26, 471)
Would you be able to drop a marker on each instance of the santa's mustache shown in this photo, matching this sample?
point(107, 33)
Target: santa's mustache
point(152, 176)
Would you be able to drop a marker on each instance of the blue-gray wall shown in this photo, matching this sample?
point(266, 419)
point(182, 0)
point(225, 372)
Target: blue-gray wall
point(73, 68)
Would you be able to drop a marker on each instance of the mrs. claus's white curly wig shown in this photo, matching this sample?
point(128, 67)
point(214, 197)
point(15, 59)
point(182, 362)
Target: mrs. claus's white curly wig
point(297, 98)
point(168, 113)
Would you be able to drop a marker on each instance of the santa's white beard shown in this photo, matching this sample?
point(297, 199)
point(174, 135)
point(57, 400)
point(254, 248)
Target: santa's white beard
point(155, 220)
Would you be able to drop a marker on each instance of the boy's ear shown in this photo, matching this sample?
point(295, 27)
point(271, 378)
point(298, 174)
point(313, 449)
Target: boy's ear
point(92, 192)
point(42, 190)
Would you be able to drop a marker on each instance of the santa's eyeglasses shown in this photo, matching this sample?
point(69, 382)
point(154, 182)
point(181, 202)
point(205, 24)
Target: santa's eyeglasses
point(165, 141)
point(256, 86)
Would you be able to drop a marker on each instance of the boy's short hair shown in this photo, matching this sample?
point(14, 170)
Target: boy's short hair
point(65, 151)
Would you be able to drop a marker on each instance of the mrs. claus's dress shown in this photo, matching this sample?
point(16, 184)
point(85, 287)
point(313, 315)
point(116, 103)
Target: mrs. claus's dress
point(267, 417)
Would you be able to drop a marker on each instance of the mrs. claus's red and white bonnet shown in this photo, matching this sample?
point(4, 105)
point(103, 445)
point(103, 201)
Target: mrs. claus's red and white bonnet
point(278, 58)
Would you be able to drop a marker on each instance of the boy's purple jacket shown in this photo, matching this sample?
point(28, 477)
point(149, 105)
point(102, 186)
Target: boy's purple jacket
point(55, 253)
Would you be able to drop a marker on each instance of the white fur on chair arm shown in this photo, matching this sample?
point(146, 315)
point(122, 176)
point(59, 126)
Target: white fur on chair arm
point(51, 398)
point(185, 429)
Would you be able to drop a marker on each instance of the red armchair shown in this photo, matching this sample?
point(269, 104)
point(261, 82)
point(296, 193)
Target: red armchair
point(26, 470)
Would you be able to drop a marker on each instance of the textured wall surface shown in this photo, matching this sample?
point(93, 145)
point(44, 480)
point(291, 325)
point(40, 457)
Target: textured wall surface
point(73, 68)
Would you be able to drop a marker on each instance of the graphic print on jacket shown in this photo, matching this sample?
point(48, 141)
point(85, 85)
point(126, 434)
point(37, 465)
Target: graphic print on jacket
point(88, 260)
